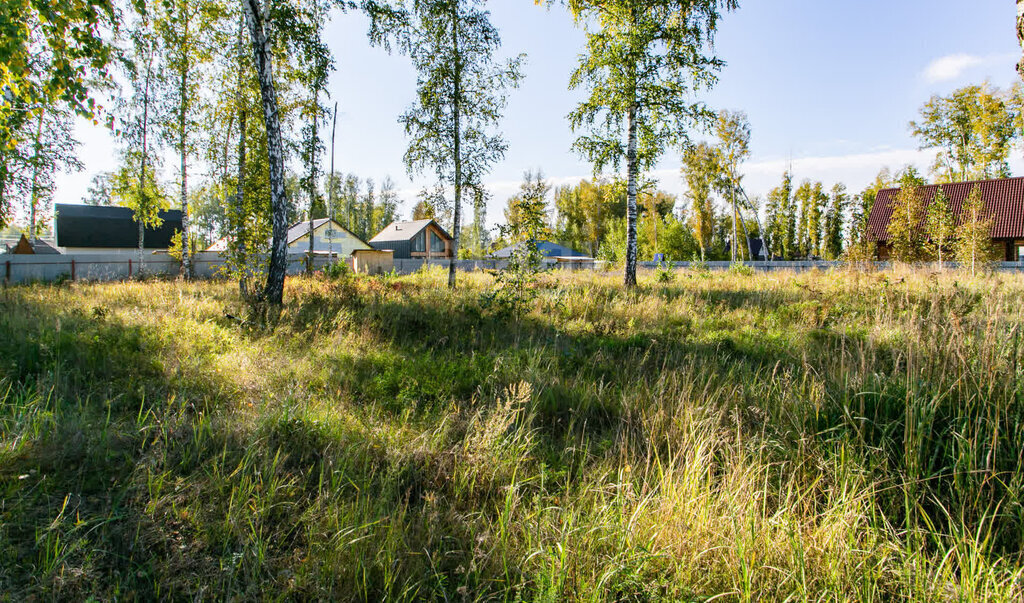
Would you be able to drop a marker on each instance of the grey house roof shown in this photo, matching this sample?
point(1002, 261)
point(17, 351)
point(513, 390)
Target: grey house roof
point(38, 246)
point(397, 236)
point(546, 248)
point(405, 231)
point(105, 226)
point(301, 229)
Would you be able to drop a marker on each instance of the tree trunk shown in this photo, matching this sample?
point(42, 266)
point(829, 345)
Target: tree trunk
point(764, 239)
point(743, 226)
point(3, 189)
point(142, 200)
point(734, 248)
point(312, 181)
point(273, 292)
point(330, 191)
point(186, 255)
point(243, 282)
point(456, 106)
point(629, 278)
point(35, 177)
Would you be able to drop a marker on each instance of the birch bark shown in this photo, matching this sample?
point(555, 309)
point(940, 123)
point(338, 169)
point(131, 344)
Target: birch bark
point(256, 18)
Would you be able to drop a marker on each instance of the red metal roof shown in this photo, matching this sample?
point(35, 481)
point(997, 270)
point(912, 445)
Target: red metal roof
point(1003, 198)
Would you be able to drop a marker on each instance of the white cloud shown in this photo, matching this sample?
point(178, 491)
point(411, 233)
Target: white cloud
point(953, 66)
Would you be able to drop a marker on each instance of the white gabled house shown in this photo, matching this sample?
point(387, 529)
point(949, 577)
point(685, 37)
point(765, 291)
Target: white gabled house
point(328, 237)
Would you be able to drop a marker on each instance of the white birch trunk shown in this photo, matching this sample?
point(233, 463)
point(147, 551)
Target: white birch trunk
point(186, 255)
point(456, 106)
point(273, 292)
point(142, 167)
point(330, 191)
point(629, 278)
point(312, 179)
point(35, 178)
point(243, 283)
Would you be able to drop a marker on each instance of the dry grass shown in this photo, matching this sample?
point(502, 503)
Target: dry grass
point(816, 436)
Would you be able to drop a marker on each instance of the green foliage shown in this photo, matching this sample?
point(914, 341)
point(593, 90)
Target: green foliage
point(147, 198)
point(940, 226)
point(906, 224)
point(336, 271)
point(526, 215)
point(782, 219)
point(833, 234)
point(52, 56)
point(865, 201)
point(700, 169)
point(974, 130)
point(644, 61)
point(733, 132)
point(526, 224)
point(584, 211)
point(973, 248)
point(812, 201)
point(460, 92)
point(664, 272)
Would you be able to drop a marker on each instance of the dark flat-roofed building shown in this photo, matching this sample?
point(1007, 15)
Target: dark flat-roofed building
point(1004, 203)
point(108, 229)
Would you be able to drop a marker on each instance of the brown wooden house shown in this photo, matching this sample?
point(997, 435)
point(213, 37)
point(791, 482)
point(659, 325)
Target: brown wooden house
point(1004, 203)
point(417, 239)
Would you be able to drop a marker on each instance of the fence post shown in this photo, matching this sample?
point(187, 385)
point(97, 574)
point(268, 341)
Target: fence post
point(72, 269)
point(7, 273)
point(129, 268)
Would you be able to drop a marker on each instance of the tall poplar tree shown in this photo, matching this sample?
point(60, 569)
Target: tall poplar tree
point(833, 241)
point(733, 132)
point(460, 92)
point(781, 218)
point(700, 166)
point(644, 60)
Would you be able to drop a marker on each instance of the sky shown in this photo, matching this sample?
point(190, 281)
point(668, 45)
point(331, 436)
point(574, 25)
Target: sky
point(829, 88)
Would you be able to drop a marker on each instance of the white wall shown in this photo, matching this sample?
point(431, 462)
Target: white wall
point(343, 242)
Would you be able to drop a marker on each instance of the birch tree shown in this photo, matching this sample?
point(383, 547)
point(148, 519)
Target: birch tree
point(52, 150)
point(185, 28)
point(644, 59)
point(460, 92)
point(700, 166)
point(733, 132)
point(140, 113)
point(940, 227)
point(973, 247)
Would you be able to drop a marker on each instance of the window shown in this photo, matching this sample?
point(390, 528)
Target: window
point(418, 242)
point(1020, 253)
point(436, 243)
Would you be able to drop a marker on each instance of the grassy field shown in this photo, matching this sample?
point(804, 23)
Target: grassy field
point(816, 436)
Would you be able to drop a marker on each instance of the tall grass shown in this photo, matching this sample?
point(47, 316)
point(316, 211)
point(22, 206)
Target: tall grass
point(815, 436)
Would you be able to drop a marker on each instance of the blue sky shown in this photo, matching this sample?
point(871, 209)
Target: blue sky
point(829, 88)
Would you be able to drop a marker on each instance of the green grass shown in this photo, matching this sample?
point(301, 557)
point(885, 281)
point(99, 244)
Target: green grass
point(818, 436)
